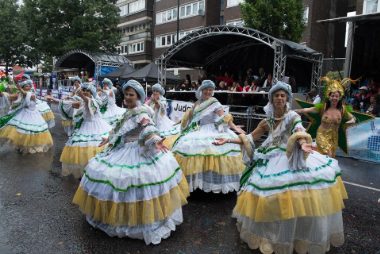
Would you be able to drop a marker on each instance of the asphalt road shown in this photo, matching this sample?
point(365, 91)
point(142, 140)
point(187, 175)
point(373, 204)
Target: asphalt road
point(36, 214)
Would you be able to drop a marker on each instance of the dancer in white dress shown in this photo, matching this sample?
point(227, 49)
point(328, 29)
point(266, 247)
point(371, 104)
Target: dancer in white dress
point(5, 104)
point(135, 188)
point(23, 126)
point(111, 113)
point(208, 167)
point(291, 197)
point(88, 133)
point(42, 106)
point(167, 127)
point(66, 108)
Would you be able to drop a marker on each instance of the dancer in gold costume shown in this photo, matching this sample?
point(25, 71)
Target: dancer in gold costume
point(334, 114)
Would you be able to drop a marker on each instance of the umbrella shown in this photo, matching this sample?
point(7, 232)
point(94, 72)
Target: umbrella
point(123, 70)
point(149, 72)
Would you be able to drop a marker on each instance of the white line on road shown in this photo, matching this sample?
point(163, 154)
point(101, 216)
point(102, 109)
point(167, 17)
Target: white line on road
point(362, 186)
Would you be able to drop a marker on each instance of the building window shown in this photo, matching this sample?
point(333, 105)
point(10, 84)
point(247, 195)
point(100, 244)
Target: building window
point(137, 47)
point(166, 40)
point(132, 7)
point(306, 15)
point(192, 9)
point(231, 3)
point(238, 22)
point(371, 6)
point(166, 16)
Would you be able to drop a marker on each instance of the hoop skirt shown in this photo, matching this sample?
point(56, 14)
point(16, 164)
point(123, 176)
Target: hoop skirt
point(280, 207)
point(25, 129)
point(89, 131)
point(46, 112)
point(206, 166)
point(132, 189)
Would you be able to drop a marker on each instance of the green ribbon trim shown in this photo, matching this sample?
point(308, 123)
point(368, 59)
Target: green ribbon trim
point(206, 155)
point(33, 131)
point(103, 109)
point(85, 141)
point(265, 150)
point(294, 124)
point(27, 124)
point(328, 163)
point(248, 170)
point(204, 105)
point(188, 129)
point(64, 113)
point(147, 163)
point(132, 185)
point(317, 181)
point(5, 119)
point(90, 135)
point(78, 124)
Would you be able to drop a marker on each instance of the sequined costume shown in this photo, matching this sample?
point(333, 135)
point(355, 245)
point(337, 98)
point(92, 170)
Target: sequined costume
point(328, 132)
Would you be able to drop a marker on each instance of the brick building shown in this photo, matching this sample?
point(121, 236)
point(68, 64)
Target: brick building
point(136, 26)
point(149, 27)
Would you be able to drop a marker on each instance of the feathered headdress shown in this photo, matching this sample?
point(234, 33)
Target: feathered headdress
point(333, 85)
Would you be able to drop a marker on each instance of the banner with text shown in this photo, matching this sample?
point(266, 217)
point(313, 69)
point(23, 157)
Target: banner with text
point(363, 141)
point(176, 109)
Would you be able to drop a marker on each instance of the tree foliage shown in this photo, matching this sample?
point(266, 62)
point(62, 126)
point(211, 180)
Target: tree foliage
point(11, 34)
point(279, 18)
point(57, 26)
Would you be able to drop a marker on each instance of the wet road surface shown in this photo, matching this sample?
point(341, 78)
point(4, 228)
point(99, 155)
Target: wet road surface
point(36, 214)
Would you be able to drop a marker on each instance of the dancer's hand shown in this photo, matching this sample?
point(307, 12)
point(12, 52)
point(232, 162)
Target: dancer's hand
point(144, 122)
point(160, 146)
point(104, 141)
point(219, 141)
point(307, 148)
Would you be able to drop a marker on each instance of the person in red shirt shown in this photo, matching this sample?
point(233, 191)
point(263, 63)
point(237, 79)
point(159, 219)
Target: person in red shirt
point(236, 87)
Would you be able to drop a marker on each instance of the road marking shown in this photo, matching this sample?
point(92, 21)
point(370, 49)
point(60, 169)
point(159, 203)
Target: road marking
point(361, 186)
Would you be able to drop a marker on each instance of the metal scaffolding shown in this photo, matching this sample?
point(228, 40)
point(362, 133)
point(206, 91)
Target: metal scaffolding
point(281, 49)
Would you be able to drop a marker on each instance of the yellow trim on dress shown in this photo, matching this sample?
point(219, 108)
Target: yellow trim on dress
point(67, 123)
point(292, 203)
point(26, 140)
point(48, 116)
point(79, 155)
point(136, 213)
point(169, 140)
point(222, 165)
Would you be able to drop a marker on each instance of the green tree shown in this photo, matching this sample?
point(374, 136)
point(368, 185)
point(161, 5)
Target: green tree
point(11, 36)
point(279, 18)
point(57, 26)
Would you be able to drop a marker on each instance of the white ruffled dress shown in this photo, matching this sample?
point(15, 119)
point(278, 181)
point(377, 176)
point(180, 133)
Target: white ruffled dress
point(283, 207)
point(5, 104)
point(67, 112)
point(163, 123)
point(206, 166)
point(112, 113)
point(131, 189)
point(25, 128)
point(46, 112)
point(89, 130)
